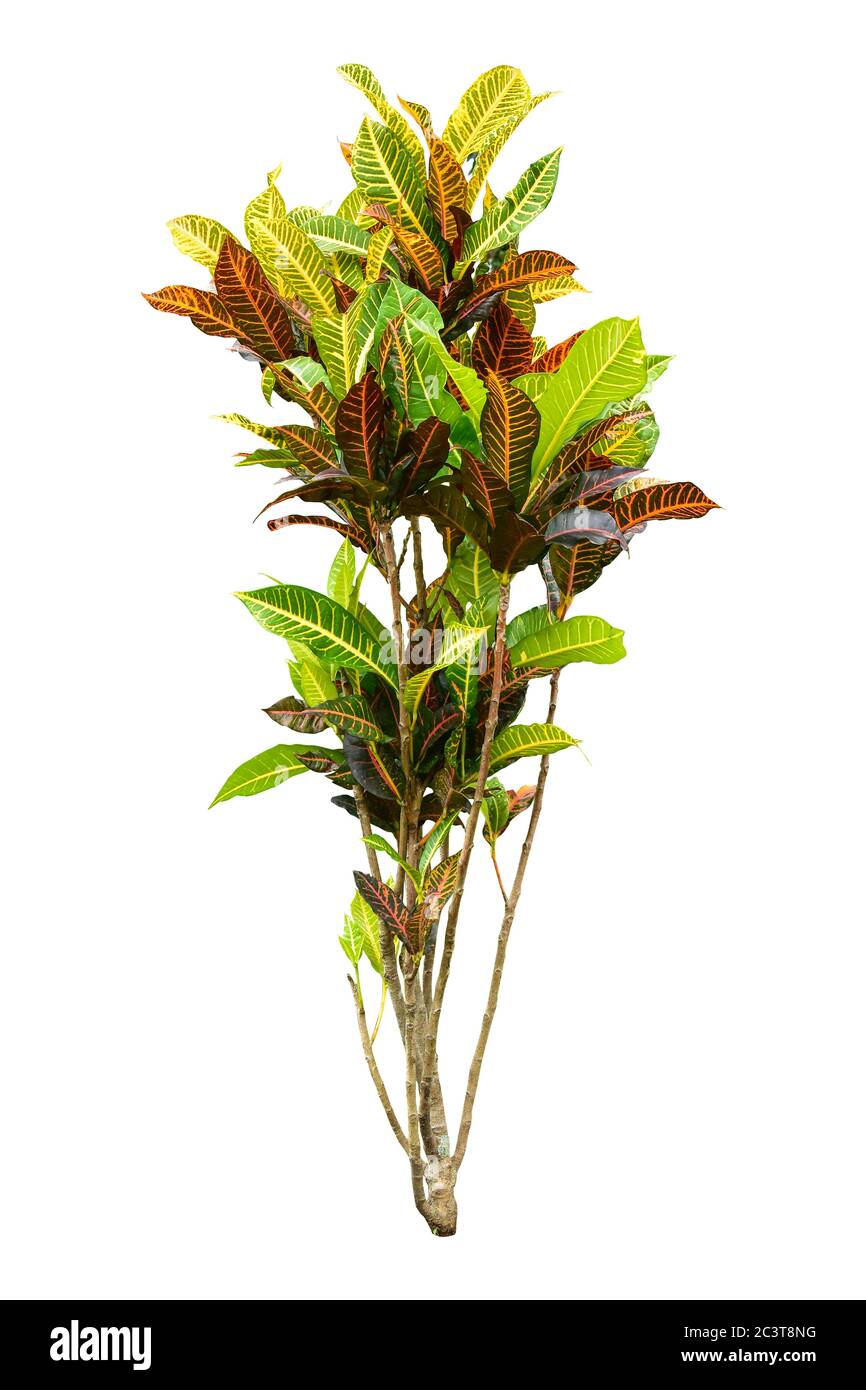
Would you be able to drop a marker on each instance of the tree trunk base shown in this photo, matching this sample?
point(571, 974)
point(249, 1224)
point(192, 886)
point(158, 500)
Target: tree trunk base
point(440, 1215)
point(440, 1208)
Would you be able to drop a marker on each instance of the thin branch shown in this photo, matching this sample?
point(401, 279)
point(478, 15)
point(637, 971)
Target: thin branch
point(418, 560)
point(412, 1090)
point(502, 944)
point(386, 940)
point(468, 838)
point(374, 1070)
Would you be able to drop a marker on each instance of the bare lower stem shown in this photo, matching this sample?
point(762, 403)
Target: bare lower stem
point(412, 1091)
point(468, 838)
point(374, 1069)
point(502, 944)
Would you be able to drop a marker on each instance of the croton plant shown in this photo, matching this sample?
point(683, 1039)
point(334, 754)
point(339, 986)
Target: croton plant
point(403, 327)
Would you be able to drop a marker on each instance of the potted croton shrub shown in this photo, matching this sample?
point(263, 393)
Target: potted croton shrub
point(419, 420)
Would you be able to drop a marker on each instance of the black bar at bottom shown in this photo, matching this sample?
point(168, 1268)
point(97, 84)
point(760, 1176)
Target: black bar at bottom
point(151, 1340)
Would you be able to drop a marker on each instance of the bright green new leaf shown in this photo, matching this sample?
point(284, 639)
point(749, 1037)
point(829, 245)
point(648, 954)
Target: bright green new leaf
point(576, 639)
point(378, 842)
point(341, 578)
point(528, 741)
point(607, 363)
point(266, 770)
point(266, 205)
point(434, 840)
point(508, 216)
point(331, 633)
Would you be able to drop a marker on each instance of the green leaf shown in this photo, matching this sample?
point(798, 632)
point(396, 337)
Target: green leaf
point(434, 840)
point(293, 263)
point(494, 99)
point(386, 173)
point(471, 580)
point(199, 237)
point(265, 205)
point(528, 741)
point(367, 924)
point(352, 940)
point(576, 639)
point(310, 679)
point(338, 340)
point(495, 807)
point(509, 215)
point(336, 234)
point(258, 774)
point(331, 633)
point(458, 642)
point(341, 578)
point(379, 842)
point(607, 363)
point(656, 366)
point(361, 77)
point(523, 624)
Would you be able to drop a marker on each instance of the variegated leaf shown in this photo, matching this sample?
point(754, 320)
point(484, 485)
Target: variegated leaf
point(508, 216)
point(198, 237)
point(293, 263)
point(494, 98)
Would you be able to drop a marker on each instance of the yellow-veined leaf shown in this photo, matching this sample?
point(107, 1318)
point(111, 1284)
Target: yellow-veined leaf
point(332, 634)
point(606, 364)
point(293, 263)
point(494, 98)
point(338, 340)
point(259, 774)
point(560, 643)
point(528, 741)
point(509, 215)
point(362, 78)
point(385, 173)
point(267, 205)
point(199, 237)
point(493, 146)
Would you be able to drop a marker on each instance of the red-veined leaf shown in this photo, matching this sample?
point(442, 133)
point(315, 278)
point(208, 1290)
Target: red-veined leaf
point(576, 567)
point(509, 428)
point(242, 287)
point(664, 501)
point(360, 426)
point(502, 345)
point(423, 452)
point(525, 268)
point(483, 488)
point(446, 508)
point(446, 188)
point(207, 312)
point(514, 544)
point(552, 360)
point(393, 914)
point(373, 768)
point(345, 528)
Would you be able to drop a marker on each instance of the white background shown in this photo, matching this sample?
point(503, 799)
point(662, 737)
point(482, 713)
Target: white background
point(672, 1103)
